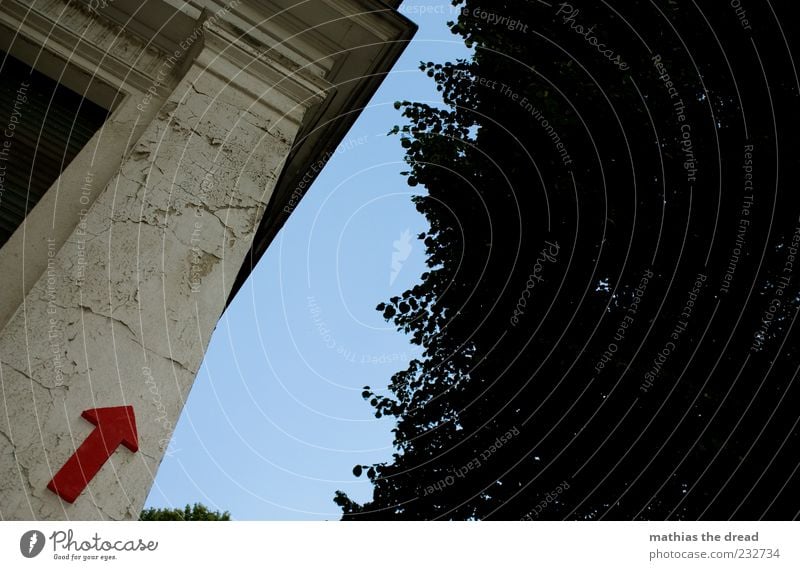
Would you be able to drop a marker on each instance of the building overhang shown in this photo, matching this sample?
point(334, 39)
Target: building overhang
point(344, 47)
point(365, 55)
point(325, 59)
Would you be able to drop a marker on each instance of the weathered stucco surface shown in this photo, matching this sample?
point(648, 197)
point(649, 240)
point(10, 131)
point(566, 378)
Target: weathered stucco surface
point(125, 309)
point(111, 288)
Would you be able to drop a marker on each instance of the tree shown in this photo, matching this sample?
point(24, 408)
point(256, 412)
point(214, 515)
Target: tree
point(606, 323)
point(196, 512)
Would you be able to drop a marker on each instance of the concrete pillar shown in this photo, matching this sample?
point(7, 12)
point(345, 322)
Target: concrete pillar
point(124, 310)
point(111, 289)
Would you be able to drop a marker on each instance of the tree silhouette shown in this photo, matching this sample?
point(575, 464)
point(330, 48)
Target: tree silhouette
point(607, 314)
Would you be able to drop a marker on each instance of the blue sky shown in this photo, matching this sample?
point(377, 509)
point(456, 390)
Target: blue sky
point(275, 421)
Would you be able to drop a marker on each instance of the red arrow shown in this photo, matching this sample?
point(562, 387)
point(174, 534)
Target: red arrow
point(115, 426)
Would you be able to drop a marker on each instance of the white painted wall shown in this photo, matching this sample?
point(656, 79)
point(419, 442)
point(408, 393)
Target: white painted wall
point(124, 309)
point(110, 292)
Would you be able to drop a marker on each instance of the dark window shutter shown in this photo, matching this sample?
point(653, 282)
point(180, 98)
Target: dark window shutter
point(44, 125)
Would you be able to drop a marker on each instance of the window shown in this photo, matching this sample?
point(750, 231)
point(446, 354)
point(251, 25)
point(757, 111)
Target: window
point(44, 126)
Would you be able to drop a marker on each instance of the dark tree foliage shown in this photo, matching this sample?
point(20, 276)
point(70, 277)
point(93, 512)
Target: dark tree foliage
point(607, 318)
point(196, 512)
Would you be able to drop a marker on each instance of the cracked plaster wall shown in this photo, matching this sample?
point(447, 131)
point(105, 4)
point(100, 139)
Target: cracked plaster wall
point(125, 309)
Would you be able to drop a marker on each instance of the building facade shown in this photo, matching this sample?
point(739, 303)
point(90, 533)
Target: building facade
point(150, 152)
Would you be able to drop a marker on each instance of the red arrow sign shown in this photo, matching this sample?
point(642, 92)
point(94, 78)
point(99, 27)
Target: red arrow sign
point(115, 426)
